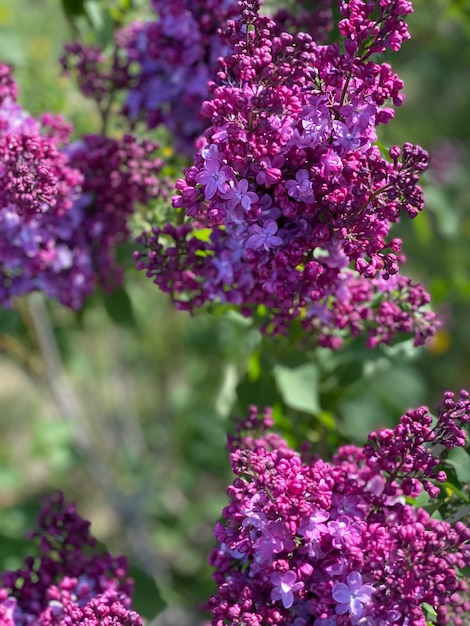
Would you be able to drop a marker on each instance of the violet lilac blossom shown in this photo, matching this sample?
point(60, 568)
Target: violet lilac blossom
point(290, 183)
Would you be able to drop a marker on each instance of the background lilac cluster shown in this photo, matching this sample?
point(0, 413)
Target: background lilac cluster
point(64, 206)
point(71, 581)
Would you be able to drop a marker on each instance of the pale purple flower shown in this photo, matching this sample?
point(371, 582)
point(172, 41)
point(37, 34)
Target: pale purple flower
point(331, 163)
point(285, 586)
point(343, 531)
point(273, 540)
point(350, 505)
point(264, 236)
point(337, 567)
point(314, 527)
point(214, 177)
point(359, 113)
point(316, 121)
point(301, 188)
point(224, 267)
point(238, 194)
point(352, 596)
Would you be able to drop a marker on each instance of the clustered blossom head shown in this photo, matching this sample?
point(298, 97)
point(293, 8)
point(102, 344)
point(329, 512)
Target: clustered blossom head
point(71, 582)
point(305, 542)
point(98, 76)
point(64, 207)
point(118, 175)
point(176, 55)
point(298, 198)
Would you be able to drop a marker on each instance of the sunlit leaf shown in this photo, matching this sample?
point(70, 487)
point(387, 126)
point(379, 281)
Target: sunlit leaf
point(299, 387)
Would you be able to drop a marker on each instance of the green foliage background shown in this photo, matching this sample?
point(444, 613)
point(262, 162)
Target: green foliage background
point(145, 461)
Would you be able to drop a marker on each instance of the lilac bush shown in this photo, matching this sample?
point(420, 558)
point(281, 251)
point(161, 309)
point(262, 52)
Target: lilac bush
point(304, 541)
point(293, 188)
point(286, 215)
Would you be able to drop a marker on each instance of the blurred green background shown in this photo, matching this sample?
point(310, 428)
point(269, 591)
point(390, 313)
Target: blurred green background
point(142, 452)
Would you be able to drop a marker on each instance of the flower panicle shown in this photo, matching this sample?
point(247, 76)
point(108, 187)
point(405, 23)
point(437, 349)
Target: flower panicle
point(71, 582)
point(336, 544)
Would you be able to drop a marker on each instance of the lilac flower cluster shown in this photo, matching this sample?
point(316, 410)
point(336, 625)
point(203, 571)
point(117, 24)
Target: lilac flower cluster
point(298, 198)
point(335, 544)
point(118, 175)
point(176, 55)
point(64, 207)
point(98, 77)
point(71, 582)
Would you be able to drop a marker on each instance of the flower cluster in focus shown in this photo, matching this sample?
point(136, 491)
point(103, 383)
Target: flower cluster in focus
point(64, 206)
point(71, 582)
point(293, 189)
point(305, 542)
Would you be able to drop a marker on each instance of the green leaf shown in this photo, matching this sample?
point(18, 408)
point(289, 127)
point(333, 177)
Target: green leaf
point(203, 234)
point(261, 392)
point(449, 488)
point(254, 367)
point(146, 599)
point(299, 387)
point(94, 13)
point(460, 461)
point(119, 308)
point(73, 8)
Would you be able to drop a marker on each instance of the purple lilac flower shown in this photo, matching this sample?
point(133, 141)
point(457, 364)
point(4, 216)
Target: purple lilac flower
point(297, 196)
point(173, 57)
point(377, 560)
point(284, 588)
point(238, 194)
point(214, 177)
point(352, 596)
point(263, 236)
point(301, 188)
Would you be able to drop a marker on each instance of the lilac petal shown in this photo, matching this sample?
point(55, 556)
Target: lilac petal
point(364, 593)
point(289, 577)
point(355, 608)
point(354, 580)
point(288, 599)
point(341, 593)
point(341, 609)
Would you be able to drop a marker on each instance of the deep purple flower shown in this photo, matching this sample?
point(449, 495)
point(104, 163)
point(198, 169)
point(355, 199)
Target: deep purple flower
point(299, 199)
point(376, 564)
point(65, 207)
point(71, 581)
